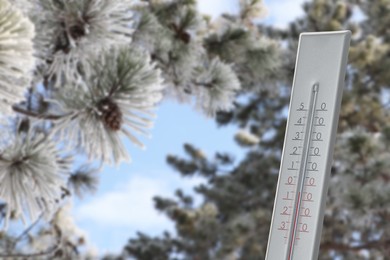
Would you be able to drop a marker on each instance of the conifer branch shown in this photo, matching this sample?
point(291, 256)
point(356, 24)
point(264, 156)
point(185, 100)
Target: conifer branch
point(203, 84)
point(28, 229)
point(37, 115)
point(48, 252)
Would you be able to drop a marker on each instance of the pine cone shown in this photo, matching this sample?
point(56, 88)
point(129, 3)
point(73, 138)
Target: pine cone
point(181, 34)
point(184, 36)
point(110, 114)
point(62, 44)
point(77, 30)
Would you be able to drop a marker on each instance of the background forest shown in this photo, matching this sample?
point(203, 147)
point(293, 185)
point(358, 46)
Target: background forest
point(79, 77)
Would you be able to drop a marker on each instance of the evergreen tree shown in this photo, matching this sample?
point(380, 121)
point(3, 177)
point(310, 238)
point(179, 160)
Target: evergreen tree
point(234, 218)
point(79, 76)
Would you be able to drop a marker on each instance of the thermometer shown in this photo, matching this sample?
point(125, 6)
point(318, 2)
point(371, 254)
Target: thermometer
point(297, 219)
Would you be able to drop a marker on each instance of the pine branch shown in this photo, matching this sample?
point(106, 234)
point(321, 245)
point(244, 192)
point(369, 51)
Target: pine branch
point(26, 112)
point(15, 241)
point(208, 85)
point(47, 252)
point(28, 229)
point(120, 82)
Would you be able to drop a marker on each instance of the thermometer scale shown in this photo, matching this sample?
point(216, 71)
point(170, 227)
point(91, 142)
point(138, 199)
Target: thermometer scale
point(298, 214)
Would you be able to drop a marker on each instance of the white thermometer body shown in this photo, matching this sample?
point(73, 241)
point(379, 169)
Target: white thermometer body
point(307, 156)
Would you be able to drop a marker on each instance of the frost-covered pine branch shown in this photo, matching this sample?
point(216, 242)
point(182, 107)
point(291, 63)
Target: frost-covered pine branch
point(16, 55)
point(174, 34)
point(74, 31)
point(32, 173)
point(218, 87)
point(84, 180)
point(116, 100)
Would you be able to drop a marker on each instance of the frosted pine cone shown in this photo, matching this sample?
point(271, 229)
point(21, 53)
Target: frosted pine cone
point(111, 114)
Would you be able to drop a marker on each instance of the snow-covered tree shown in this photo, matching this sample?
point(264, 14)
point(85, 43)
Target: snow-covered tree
point(234, 218)
point(77, 77)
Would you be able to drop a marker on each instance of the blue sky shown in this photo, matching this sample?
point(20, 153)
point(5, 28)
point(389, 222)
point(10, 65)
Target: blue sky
point(123, 203)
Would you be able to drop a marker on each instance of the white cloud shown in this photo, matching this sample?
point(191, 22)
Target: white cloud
point(131, 204)
point(127, 208)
